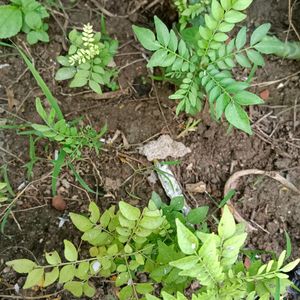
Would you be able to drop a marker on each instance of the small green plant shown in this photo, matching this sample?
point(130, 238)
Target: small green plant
point(70, 137)
point(89, 60)
point(191, 12)
point(130, 241)
point(200, 60)
point(272, 45)
point(26, 16)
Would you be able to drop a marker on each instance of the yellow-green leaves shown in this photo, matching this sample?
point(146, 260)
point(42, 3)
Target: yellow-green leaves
point(162, 32)
point(259, 33)
point(187, 241)
point(22, 265)
point(24, 16)
point(75, 287)
point(129, 212)
point(236, 116)
point(51, 277)
point(241, 4)
point(227, 226)
point(185, 263)
point(11, 21)
point(217, 10)
point(95, 212)
point(289, 267)
point(146, 37)
point(53, 258)
point(70, 251)
point(81, 222)
point(67, 273)
point(34, 277)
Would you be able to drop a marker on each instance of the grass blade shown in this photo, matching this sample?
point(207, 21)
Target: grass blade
point(58, 164)
point(80, 179)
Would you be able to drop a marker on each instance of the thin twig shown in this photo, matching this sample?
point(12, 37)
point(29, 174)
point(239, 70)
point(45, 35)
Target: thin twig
point(11, 154)
point(267, 83)
point(232, 183)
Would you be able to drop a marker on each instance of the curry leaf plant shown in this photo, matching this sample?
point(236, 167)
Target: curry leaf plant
point(191, 12)
point(129, 241)
point(89, 60)
point(26, 16)
point(201, 59)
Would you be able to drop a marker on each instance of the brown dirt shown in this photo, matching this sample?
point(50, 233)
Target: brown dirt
point(120, 173)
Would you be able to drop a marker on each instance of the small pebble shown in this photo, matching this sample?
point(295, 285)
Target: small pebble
point(59, 203)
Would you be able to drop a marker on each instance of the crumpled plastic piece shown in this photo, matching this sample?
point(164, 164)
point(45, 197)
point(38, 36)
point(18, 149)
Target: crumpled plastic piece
point(170, 184)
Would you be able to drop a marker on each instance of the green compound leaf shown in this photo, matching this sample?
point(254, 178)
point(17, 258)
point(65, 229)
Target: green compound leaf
point(129, 212)
point(247, 98)
point(78, 81)
point(53, 258)
point(51, 277)
point(217, 10)
point(67, 273)
point(82, 270)
point(144, 288)
point(255, 57)
point(187, 241)
point(146, 37)
point(158, 58)
point(259, 33)
point(81, 222)
point(89, 290)
point(185, 263)
point(63, 60)
point(241, 38)
point(95, 87)
point(75, 287)
point(34, 278)
point(70, 251)
point(22, 265)
point(236, 116)
point(241, 4)
point(227, 226)
point(65, 73)
point(163, 35)
point(291, 266)
point(10, 21)
point(33, 20)
point(95, 212)
point(233, 17)
point(197, 215)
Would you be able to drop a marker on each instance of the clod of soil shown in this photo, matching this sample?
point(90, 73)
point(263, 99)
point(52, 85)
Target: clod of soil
point(59, 203)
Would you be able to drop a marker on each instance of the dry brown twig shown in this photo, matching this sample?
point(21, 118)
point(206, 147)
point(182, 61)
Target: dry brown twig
point(109, 14)
point(290, 16)
point(233, 180)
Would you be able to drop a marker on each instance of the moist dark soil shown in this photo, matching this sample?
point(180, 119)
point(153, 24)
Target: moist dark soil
point(141, 111)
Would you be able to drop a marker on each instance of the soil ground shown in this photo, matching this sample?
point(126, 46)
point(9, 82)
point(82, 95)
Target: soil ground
point(142, 111)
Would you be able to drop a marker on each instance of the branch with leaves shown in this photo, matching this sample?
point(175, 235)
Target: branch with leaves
point(161, 242)
point(202, 58)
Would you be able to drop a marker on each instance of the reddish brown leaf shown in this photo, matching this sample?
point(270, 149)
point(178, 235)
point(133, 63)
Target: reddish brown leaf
point(265, 94)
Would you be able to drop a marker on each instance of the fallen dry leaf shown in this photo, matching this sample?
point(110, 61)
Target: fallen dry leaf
point(196, 188)
point(59, 203)
point(11, 99)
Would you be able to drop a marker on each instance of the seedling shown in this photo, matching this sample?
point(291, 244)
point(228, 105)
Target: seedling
point(201, 59)
point(154, 241)
point(69, 136)
point(89, 60)
point(26, 16)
